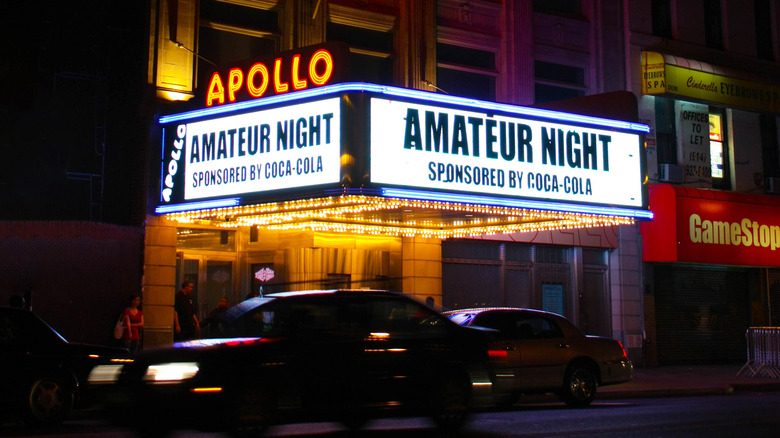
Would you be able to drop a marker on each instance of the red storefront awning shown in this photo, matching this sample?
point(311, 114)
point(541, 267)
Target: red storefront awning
point(711, 226)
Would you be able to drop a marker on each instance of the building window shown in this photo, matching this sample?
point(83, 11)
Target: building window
point(371, 52)
point(466, 72)
point(713, 24)
point(661, 13)
point(559, 7)
point(665, 131)
point(769, 145)
point(764, 34)
point(718, 151)
point(229, 33)
point(557, 82)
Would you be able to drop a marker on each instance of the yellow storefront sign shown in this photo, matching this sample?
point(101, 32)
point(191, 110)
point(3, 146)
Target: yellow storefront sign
point(661, 77)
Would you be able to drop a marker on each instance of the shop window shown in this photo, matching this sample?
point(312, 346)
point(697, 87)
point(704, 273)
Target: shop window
point(764, 32)
point(713, 24)
point(203, 239)
point(718, 152)
point(557, 82)
point(474, 250)
point(552, 254)
point(661, 13)
point(466, 72)
point(371, 52)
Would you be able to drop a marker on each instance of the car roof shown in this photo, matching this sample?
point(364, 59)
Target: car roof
point(323, 292)
point(476, 310)
point(251, 303)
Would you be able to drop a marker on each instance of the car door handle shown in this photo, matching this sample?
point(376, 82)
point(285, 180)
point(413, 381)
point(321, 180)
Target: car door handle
point(510, 348)
point(563, 345)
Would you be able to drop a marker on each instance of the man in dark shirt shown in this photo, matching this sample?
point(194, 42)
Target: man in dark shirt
point(185, 322)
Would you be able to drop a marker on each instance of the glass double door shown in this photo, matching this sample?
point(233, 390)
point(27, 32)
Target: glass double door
point(213, 278)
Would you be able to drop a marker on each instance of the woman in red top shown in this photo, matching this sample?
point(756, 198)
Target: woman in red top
point(134, 320)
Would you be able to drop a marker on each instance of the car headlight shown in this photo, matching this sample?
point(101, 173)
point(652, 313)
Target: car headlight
point(104, 374)
point(171, 372)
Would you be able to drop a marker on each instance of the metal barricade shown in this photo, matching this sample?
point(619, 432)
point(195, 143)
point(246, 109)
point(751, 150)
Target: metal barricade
point(763, 352)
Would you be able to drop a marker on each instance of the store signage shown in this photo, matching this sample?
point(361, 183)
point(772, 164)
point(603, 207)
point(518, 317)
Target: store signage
point(289, 71)
point(700, 226)
point(693, 141)
point(661, 77)
point(463, 150)
point(293, 146)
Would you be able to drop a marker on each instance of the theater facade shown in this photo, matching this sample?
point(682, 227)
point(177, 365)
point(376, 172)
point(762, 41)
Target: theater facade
point(285, 178)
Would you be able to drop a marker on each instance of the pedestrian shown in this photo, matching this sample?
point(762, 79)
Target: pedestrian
point(213, 322)
point(185, 322)
point(134, 321)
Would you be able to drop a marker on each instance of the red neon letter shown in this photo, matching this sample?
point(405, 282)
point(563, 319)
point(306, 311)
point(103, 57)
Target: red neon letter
point(321, 55)
point(235, 80)
point(216, 90)
point(298, 84)
point(250, 80)
point(279, 86)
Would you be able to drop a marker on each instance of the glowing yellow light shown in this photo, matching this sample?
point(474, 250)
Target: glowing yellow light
point(358, 214)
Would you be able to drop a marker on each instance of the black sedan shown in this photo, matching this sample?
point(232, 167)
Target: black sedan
point(543, 352)
point(43, 376)
point(346, 355)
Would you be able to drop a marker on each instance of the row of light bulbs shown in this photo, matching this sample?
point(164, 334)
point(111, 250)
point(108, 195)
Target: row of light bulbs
point(345, 214)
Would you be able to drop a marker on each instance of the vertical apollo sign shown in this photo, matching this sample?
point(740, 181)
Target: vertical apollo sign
point(278, 148)
point(417, 144)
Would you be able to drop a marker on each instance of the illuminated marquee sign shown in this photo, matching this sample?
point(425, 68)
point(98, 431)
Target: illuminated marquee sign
point(408, 144)
point(309, 67)
point(436, 147)
point(279, 148)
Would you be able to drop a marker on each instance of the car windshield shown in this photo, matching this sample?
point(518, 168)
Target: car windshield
point(27, 327)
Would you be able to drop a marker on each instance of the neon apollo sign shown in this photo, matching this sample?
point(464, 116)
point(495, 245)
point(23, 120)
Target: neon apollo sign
point(257, 79)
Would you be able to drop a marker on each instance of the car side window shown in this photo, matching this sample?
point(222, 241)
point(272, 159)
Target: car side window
point(521, 327)
point(6, 330)
point(539, 328)
point(403, 317)
point(501, 321)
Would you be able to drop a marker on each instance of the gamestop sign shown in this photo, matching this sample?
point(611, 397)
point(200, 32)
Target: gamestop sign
point(728, 233)
point(279, 148)
point(710, 226)
point(464, 150)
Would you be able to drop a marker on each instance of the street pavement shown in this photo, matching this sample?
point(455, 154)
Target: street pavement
point(682, 380)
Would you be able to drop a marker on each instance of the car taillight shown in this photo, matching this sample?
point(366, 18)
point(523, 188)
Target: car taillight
point(497, 354)
point(625, 355)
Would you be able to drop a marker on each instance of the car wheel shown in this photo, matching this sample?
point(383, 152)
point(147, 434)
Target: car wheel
point(453, 407)
point(48, 402)
point(579, 386)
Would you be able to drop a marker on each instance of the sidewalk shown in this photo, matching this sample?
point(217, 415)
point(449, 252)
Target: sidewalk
point(670, 381)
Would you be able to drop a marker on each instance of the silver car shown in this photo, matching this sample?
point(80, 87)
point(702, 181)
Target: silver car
point(542, 352)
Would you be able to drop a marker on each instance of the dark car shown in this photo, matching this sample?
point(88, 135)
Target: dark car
point(43, 376)
point(345, 355)
point(544, 352)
